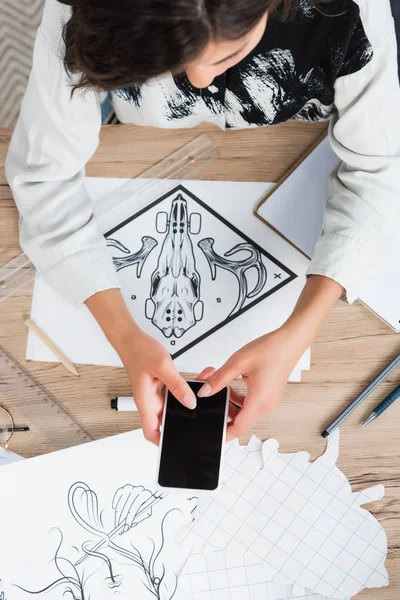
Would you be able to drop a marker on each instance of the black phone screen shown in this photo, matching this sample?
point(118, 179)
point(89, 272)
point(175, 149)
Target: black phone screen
point(192, 442)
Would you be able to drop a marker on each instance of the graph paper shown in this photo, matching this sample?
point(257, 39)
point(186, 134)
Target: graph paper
point(300, 520)
point(220, 575)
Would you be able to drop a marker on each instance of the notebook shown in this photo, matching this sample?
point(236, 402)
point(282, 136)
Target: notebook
point(295, 209)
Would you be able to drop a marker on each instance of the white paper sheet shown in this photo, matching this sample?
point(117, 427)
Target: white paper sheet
point(299, 519)
point(78, 336)
point(296, 210)
point(90, 519)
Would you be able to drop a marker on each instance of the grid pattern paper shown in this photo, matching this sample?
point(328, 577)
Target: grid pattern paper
point(222, 576)
point(300, 519)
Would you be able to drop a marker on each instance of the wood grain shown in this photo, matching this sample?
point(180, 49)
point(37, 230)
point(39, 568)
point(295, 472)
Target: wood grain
point(351, 349)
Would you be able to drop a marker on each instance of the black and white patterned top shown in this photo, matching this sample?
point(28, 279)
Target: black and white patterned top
point(337, 64)
point(290, 74)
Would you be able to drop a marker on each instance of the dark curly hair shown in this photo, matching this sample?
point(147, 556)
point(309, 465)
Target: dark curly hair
point(115, 43)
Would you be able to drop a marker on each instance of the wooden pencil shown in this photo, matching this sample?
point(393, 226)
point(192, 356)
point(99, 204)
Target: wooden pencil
point(47, 341)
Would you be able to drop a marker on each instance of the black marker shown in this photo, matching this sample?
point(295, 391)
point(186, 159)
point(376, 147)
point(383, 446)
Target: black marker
point(124, 403)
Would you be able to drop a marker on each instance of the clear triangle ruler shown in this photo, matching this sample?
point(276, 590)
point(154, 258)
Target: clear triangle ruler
point(21, 392)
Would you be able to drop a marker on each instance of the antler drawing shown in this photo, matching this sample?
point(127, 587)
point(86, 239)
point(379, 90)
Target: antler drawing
point(237, 267)
point(138, 259)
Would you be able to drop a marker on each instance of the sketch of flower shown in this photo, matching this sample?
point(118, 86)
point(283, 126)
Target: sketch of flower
point(70, 581)
point(131, 506)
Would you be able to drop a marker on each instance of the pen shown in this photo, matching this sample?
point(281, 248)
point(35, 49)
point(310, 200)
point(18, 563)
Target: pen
point(388, 401)
point(356, 403)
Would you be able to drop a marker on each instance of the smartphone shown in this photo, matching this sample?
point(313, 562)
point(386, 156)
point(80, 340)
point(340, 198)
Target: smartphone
point(192, 441)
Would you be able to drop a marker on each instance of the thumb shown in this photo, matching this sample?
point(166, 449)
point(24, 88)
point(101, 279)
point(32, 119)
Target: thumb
point(220, 379)
point(178, 387)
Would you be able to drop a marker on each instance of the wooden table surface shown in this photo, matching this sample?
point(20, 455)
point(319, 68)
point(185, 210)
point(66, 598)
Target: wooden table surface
point(351, 349)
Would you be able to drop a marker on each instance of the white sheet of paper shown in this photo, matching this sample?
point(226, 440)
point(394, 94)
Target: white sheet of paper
point(96, 502)
point(296, 210)
point(300, 519)
point(383, 296)
point(77, 335)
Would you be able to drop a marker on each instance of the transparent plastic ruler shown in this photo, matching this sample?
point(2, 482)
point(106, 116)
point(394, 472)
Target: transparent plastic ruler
point(158, 180)
point(136, 193)
point(24, 393)
point(15, 275)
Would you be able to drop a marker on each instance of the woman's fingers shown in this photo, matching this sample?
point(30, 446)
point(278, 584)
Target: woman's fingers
point(236, 398)
point(233, 411)
point(178, 387)
point(244, 418)
point(149, 402)
point(220, 378)
point(205, 374)
point(150, 426)
point(235, 404)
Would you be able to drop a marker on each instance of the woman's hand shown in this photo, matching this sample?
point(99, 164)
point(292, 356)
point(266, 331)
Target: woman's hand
point(148, 364)
point(150, 369)
point(266, 363)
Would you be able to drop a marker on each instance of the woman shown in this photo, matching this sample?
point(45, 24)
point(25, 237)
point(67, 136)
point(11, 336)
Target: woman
point(235, 63)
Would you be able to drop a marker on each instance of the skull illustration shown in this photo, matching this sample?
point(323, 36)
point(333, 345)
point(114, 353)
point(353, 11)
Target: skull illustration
point(174, 305)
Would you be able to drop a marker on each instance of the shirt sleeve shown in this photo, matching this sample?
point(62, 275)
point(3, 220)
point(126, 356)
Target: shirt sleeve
point(362, 212)
point(54, 138)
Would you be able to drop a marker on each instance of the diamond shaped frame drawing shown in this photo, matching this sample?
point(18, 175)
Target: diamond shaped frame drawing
point(262, 296)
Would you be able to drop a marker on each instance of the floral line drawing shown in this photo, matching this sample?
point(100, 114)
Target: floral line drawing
point(131, 506)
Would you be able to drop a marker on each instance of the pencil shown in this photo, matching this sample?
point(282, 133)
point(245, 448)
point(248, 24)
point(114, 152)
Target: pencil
point(47, 341)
